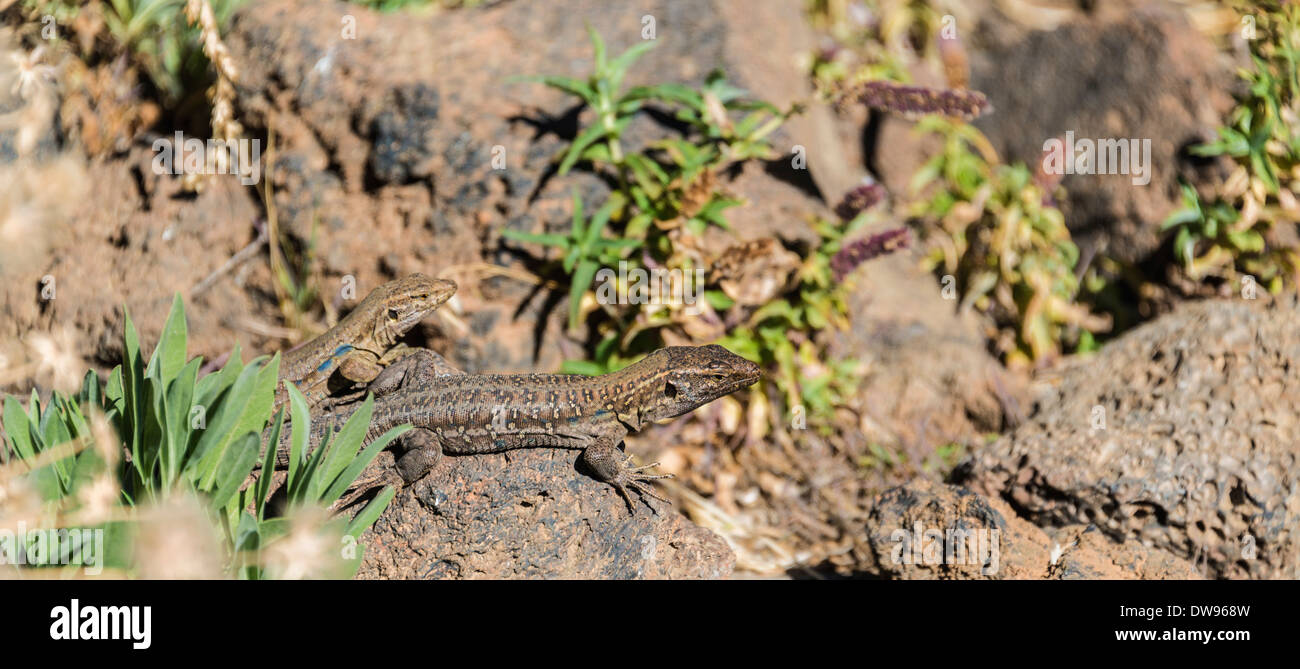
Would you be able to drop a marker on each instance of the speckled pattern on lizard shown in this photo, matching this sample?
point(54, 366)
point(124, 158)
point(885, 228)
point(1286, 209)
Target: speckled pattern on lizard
point(356, 348)
point(465, 414)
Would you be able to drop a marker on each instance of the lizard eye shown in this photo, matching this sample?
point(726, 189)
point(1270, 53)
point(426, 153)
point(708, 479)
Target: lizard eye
point(670, 390)
point(393, 315)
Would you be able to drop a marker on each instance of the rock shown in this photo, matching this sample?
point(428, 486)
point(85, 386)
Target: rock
point(917, 531)
point(532, 514)
point(1124, 71)
point(902, 519)
point(1182, 434)
point(900, 321)
point(1085, 553)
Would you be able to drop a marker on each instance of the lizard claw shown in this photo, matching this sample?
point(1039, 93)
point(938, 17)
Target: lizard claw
point(632, 477)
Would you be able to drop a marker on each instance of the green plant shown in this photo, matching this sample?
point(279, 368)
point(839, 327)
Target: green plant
point(874, 40)
point(1007, 248)
point(674, 178)
point(158, 430)
point(169, 49)
point(1211, 239)
point(1236, 232)
point(585, 249)
point(778, 334)
point(667, 194)
point(155, 34)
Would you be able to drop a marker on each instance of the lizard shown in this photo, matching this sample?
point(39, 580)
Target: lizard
point(361, 344)
point(463, 414)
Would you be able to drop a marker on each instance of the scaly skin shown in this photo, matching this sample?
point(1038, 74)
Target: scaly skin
point(356, 347)
point(485, 413)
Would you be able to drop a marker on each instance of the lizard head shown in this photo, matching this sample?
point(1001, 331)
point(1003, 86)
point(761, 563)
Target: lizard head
point(407, 301)
point(692, 376)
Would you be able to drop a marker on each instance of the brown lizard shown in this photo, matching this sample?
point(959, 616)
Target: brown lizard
point(357, 347)
point(462, 414)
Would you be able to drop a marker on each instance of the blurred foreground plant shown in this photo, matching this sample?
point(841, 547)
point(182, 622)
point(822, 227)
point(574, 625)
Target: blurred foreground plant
point(126, 455)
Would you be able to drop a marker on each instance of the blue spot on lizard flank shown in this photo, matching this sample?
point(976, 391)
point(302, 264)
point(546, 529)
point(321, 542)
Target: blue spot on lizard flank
point(338, 353)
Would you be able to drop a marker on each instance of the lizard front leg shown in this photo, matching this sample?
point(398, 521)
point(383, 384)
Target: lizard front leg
point(415, 366)
point(354, 364)
point(360, 366)
point(420, 453)
point(613, 467)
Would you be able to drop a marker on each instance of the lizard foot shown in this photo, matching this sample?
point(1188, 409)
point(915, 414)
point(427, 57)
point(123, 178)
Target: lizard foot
point(605, 461)
point(632, 477)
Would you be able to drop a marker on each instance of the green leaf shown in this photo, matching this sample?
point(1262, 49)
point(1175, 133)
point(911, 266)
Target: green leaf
point(367, 516)
point(618, 67)
point(1247, 241)
point(570, 85)
point(235, 466)
point(598, 49)
point(359, 464)
point(300, 432)
point(342, 449)
point(211, 386)
point(584, 139)
point(246, 407)
point(18, 428)
point(268, 464)
point(132, 380)
point(600, 220)
point(172, 341)
point(581, 281)
point(675, 93)
point(546, 239)
point(718, 300)
point(179, 396)
point(1181, 217)
point(585, 367)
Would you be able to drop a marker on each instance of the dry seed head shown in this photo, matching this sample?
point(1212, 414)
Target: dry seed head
point(914, 101)
point(36, 203)
point(308, 551)
point(98, 499)
point(56, 356)
point(224, 124)
point(176, 540)
point(105, 438)
point(20, 504)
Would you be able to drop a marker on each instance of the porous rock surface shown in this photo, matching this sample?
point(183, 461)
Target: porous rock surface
point(1001, 545)
point(1182, 434)
point(533, 514)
